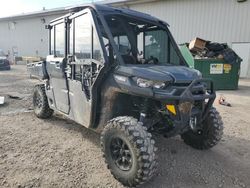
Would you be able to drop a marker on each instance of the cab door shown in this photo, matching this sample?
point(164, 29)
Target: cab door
point(85, 64)
point(58, 93)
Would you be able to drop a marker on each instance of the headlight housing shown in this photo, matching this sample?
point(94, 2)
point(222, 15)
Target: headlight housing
point(198, 73)
point(149, 83)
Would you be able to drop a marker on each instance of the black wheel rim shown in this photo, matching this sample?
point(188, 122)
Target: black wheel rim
point(121, 154)
point(37, 100)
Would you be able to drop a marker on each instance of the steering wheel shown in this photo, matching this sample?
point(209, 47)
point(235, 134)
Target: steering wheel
point(151, 60)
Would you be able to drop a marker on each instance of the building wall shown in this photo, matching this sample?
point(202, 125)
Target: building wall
point(26, 37)
point(215, 20)
point(221, 21)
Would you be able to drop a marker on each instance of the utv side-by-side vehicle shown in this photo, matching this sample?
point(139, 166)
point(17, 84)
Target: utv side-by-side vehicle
point(120, 73)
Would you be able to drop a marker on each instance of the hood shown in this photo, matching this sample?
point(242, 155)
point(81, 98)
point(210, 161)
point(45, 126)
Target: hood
point(178, 74)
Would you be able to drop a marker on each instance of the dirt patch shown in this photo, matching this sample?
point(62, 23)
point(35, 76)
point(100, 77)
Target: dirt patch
point(60, 153)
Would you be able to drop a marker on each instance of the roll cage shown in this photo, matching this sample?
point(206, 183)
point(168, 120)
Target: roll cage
point(99, 14)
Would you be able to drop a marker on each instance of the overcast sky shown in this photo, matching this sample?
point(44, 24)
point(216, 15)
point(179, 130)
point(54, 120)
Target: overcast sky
point(12, 7)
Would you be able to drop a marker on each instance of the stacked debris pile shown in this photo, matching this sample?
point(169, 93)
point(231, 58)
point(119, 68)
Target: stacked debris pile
point(202, 49)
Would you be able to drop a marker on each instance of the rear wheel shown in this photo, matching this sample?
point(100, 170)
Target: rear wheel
point(208, 135)
point(129, 151)
point(40, 103)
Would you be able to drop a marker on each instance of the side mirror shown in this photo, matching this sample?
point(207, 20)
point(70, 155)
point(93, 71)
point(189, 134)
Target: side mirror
point(48, 27)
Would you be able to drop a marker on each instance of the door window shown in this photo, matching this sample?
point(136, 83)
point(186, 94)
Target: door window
point(84, 41)
point(83, 37)
point(59, 40)
point(71, 38)
point(52, 41)
point(97, 49)
point(84, 45)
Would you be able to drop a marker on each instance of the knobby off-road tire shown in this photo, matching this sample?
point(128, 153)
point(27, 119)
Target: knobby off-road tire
point(210, 134)
point(40, 103)
point(137, 142)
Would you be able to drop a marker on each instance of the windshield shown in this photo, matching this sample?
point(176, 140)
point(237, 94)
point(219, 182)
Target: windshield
point(141, 42)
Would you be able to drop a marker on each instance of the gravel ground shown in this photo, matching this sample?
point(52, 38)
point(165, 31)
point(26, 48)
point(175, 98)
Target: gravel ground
point(61, 153)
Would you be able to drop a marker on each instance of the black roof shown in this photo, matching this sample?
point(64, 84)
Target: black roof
point(106, 9)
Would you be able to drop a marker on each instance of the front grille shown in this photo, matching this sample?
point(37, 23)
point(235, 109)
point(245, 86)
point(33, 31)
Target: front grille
point(181, 84)
point(198, 89)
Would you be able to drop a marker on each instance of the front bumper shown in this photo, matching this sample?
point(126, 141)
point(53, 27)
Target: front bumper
point(193, 100)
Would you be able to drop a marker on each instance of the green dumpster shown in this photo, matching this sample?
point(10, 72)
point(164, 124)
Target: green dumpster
point(224, 75)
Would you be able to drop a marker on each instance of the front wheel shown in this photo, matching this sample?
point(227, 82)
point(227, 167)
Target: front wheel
point(209, 134)
point(129, 151)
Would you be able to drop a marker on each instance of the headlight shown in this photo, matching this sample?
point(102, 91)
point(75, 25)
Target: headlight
point(144, 83)
point(148, 83)
point(198, 73)
point(120, 78)
point(159, 85)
